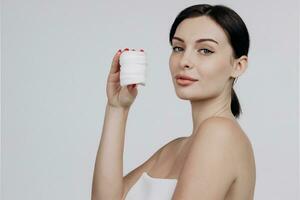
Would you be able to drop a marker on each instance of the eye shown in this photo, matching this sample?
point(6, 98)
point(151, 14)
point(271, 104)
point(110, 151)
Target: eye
point(174, 48)
point(206, 51)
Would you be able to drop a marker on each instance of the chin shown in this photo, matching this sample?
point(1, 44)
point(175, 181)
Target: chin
point(186, 95)
point(191, 94)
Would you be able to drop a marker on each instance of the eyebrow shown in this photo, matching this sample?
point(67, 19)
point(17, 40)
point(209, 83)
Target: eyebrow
point(197, 41)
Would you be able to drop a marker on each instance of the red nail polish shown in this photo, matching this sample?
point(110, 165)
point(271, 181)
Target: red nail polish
point(142, 50)
point(126, 49)
point(119, 50)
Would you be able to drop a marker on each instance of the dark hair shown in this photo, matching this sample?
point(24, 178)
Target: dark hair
point(234, 28)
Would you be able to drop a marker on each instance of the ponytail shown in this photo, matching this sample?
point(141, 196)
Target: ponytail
point(235, 104)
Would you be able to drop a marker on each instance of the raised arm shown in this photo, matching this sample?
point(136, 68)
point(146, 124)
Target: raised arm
point(108, 171)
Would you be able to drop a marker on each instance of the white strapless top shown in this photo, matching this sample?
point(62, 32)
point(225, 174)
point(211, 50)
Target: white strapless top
point(149, 188)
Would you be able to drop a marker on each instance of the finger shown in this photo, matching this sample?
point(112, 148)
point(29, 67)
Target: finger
point(133, 89)
point(129, 87)
point(115, 65)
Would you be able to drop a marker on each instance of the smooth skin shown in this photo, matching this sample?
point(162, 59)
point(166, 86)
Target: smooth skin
point(219, 162)
point(216, 161)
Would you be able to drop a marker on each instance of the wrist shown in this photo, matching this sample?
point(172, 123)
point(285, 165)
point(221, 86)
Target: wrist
point(117, 108)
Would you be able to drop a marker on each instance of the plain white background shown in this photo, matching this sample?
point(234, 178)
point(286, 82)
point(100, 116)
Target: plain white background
point(55, 59)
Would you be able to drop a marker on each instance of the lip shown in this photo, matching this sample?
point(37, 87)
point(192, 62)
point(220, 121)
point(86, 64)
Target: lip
point(184, 80)
point(184, 77)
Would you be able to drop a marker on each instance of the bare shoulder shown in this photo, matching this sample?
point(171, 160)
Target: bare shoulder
point(228, 131)
point(221, 130)
point(213, 160)
point(226, 136)
point(221, 127)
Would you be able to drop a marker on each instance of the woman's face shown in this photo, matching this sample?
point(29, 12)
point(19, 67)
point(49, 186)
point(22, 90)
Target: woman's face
point(207, 61)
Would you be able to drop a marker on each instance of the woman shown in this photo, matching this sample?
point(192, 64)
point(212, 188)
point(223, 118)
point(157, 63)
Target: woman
point(210, 47)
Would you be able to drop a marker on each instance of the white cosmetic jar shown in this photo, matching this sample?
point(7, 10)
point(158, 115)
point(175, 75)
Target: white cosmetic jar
point(133, 68)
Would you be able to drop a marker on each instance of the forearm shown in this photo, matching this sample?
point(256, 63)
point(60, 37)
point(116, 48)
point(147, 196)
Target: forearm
point(108, 172)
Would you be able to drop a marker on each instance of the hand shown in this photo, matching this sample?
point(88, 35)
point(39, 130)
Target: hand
point(119, 96)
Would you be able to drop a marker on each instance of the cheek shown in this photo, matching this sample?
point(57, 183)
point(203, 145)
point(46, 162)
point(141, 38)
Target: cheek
point(214, 74)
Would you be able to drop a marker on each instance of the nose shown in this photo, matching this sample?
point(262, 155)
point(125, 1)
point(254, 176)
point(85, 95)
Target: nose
point(185, 61)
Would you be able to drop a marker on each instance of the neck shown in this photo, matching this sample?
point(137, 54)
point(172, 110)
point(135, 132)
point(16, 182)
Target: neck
point(203, 109)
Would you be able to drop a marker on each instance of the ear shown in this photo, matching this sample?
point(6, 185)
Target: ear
point(239, 66)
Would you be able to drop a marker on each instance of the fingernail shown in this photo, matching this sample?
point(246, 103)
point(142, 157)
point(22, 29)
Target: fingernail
point(119, 50)
point(126, 49)
point(142, 50)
